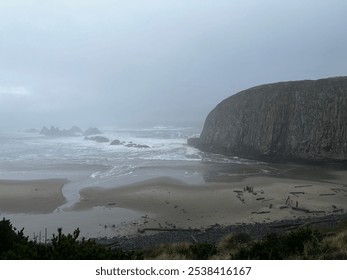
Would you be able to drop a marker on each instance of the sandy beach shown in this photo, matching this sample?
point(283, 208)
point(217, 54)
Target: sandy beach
point(31, 196)
point(37, 207)
point(169, 203)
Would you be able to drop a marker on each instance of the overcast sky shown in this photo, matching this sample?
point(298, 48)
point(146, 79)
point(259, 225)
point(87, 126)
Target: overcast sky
point(144, 62)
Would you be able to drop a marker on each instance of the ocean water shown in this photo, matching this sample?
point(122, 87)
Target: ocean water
point(87, 163)
point(29, 155)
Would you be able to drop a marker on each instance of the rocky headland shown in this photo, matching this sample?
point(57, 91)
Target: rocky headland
point(57, 132)
point(74, 131)
point(296, 120)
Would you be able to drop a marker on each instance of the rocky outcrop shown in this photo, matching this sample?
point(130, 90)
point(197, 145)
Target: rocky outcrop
point(133, 145)
point(116, 142)
point(99, 139)
point(76, 130)
point(56, 132)
point(92, 131)
point(305, 120)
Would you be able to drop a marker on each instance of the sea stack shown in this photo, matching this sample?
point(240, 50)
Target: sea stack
point(296, 120)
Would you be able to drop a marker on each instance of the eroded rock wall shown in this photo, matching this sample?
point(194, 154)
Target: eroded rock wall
point(288, 120)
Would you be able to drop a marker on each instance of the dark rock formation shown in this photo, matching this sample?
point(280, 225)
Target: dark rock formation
point(305, 120)
point(194, 141)
point(116, 142)
point(129, 145)
point(56, 132)
point(76, 130)
point(99, 139)
point(133, 145)
point(45, 131)
point(92, 131)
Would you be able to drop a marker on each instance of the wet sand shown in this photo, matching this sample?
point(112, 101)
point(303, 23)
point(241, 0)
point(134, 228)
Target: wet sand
point(172, 204)
point(31, 196)
point(166, 203)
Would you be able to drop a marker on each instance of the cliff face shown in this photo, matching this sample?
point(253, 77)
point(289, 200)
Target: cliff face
point(288, 120)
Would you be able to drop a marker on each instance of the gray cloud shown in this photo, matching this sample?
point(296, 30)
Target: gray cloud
point(132, 62)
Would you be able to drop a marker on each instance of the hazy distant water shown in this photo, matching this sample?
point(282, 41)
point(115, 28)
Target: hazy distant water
point(26, 155)
point(88, 163)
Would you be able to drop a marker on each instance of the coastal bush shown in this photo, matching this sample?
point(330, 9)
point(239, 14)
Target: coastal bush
point(231, 244)
point(14, 245)
point(278, 247)
point(235, 241)
point(68, 247)
point(202, 251)
point(175, 251)
point(181, 251)
point(332, 247)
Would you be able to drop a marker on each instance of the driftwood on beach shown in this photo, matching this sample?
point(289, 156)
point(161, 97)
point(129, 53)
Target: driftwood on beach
point(302, 186)
point(143, 230)
point(296, 193)
point(261, 212)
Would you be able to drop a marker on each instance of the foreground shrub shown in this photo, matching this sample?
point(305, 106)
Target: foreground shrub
point(202, 251)
point(279, 247)
point(175, 251)
point(14, 245)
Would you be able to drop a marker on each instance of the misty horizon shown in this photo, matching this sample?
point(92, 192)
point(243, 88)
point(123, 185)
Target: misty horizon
point(146, 63)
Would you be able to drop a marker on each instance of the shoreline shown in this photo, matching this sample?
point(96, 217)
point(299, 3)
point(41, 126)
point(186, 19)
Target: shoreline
point(164, 204)
point(31, 196)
